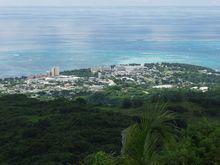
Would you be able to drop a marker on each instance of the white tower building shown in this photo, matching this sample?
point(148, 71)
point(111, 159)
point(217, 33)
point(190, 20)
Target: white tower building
point(55, 71)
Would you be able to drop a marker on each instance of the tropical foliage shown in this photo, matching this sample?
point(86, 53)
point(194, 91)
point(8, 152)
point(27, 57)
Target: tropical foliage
point(156, 140)
point(144, 141)
point(184, 131)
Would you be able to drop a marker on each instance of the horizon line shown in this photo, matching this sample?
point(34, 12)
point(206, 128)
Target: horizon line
point(110, 6)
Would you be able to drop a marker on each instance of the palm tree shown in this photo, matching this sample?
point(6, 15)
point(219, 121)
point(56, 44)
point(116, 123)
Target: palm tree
point(143, 142)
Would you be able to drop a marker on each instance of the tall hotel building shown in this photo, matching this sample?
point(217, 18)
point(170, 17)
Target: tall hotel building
point(55, 71)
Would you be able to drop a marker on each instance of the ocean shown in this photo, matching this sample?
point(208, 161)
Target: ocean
point(34, 39)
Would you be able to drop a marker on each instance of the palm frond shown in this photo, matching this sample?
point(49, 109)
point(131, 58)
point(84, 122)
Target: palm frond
point(143, 141)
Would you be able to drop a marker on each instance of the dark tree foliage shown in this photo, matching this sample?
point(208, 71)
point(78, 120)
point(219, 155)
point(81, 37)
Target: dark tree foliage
point(55, 132)
point(79, 73)
point(65, 132)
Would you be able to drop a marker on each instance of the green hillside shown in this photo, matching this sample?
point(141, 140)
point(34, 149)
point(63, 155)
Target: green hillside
point(71, 132)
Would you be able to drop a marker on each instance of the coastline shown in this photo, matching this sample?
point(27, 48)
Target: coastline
point(146, 76)
point(122, 64)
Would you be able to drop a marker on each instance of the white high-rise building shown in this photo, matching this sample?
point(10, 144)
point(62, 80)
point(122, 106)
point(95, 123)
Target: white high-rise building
point(52, 72)
point(55, 71)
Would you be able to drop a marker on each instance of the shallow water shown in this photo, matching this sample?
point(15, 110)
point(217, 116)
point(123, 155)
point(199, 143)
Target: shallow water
point(32, 40)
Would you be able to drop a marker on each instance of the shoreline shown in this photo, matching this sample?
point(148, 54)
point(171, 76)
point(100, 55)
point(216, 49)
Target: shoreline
point(83, 68)
point(91, 80)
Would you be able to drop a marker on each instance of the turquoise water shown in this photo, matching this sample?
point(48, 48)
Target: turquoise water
point(32, 40)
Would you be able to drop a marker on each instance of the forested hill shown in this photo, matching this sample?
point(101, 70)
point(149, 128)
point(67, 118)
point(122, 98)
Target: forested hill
point(55, 132)
point(67, 132)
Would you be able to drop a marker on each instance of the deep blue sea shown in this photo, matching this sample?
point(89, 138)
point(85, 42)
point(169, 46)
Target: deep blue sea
point(33, 39)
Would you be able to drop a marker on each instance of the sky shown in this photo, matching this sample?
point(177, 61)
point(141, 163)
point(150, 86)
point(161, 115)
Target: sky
point(109, 2)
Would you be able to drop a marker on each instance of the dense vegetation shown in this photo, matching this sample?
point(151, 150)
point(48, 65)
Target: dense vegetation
point(135, 97)
point(55, 132)
point(79, 73)
point(88, 130)
point(157, 139)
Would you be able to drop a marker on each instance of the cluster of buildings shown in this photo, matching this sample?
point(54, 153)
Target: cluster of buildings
point(139, 74)
point(55, 71)
point(53, 84)
point(160, 75)
point(146, 75)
